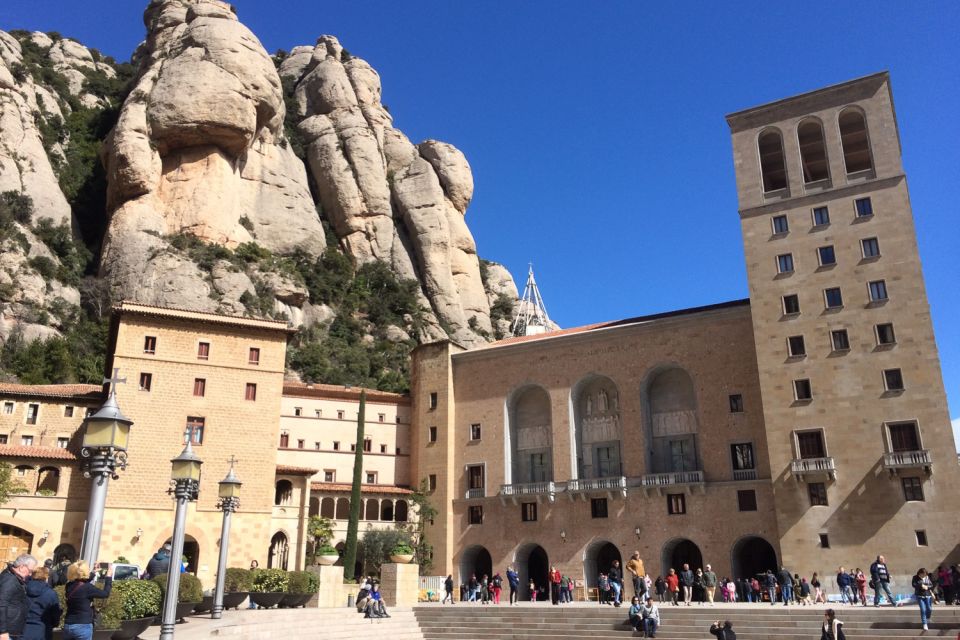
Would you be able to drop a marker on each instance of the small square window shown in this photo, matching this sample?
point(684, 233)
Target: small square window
point(824, 541)
point(433, 400)
point(199, 387)
point(791, 304)
point(383, 448)
point(912, 489)
point(827, 256)
point(818, 494)
point(367, 444)
point(284, 440)
point(864, 207)
point(833, 298)
point(33, 410)
point(254, 357)
point(3, 438)
point(780, 225)
point(316, 445)
point(301, 443)
point(318, 413)
point(329, 475)
point(193, 432)
point(676, 504)
point(921, 537)
point(68, 411)
point(785, 263)
point(371, 477)
point(203, 351)
point(796, 347)
point(475, 432)
point(475, 514)
point(747, 500)
point(893, 379)
point(250, 393)
point(298, 411)
point(870, 248)
point(432, 482)
point(432, 434)
point(381, 417)
point(353, 446)
point(150, 344)
point(839, 340)
point(598, 507)
point(878, 291)
point(146, 381)
point(885, 334)
point(340, 415)
point(62, 443)
point(8, 408)
point(26, 441)
point(736, 403)
point(528, 512)
point(821, 216)
point(802, 390)
point(336, 445)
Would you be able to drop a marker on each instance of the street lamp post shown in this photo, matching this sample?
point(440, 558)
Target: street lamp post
point(104, 448)
point(186, 488)
point(228, 502)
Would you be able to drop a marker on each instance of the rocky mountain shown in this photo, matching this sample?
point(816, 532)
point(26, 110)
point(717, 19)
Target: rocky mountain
point(206, 174)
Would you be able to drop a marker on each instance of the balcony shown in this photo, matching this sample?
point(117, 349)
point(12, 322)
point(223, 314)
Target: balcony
point(530, 489)
point(919, 459)
point(583, 486)
point(685, 480)
point(813, 467)
point(473, 494)
point(744, 474)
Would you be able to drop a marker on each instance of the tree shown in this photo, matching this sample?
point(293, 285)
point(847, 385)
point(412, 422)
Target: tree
point(8, 486)
point(350, 547)
point(426, 512)
point(379, 544)
point(321, 530)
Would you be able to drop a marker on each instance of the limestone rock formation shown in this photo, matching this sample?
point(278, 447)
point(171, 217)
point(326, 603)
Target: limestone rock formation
point(199, 149)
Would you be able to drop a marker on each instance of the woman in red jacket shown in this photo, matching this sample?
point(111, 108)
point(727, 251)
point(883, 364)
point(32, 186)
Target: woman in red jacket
point(554, 585)
point(673, 586)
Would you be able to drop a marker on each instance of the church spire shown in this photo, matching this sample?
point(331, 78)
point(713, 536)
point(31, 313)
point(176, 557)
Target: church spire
point(531, 318)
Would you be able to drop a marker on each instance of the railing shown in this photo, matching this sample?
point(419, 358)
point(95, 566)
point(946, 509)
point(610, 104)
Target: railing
point(528, 489)
point(744, 474)
point(475, 493)
point(597, 484)
point(907, 459)
point(812, 465)
point(673, 477)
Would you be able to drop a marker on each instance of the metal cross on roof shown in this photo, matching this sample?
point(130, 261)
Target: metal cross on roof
point(115, 380)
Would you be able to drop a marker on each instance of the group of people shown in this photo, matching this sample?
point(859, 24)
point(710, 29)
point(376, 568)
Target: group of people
point(370, 600)
point(30, 609)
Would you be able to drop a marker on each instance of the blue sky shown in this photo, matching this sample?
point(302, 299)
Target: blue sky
point(595, 129)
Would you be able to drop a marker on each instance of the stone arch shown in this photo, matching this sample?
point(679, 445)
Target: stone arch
point(680, 551)
point(670, 403)
point(752, 555)
point(386, 510)
point(529, 433)
point(773, 166)
point(813, 150)
point(48, 479)
point(65, 550)
point(371, 509)
point(475, 560)
point(328, 508)
point(401, 511)
point(279, 552)
point(343, 509)
point(191, 551)
point(597, 432)
point(854, 140)
point(532, 562)
point(314, 509)
point(599, 556)
point(283, 493)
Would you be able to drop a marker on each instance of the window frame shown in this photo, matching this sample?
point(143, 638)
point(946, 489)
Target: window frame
point(528, 512)
point(431, 482)
point(856, 207)
point(734, 460)
point(833, 343)
point(921, 536)
point(783, 304)
point(796, 390)
point(599, 508)
point(876, 334)
point(203, 350)
point(813, 216)
point(146, 376)
point(370, 474)
point(12, 406)
point(897, 371)
point(878, 285)
point(833, 252)
point(195, 425)
point(251, 360)
point(329, 475)
point(676, 504)
point(915, 489)
point(199, 387)
point(752, 502)
point(783, 268)
point(250, 391)
point(32, 415)
point(826, 298)
point(475, 514)
point(433, 400)
point(796, 341)
point(823, 540)
point(817, 494)
point(864, 243)
point(888, 435)
point(476, 432)
point(774, 220)
point(150, 345)
point(736, 403)
point(433, 434)
point(823, 443)
point(767, 172)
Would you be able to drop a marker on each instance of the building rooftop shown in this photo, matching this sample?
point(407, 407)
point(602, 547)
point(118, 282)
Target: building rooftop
point(346, 487)
point(40, 453)
point(127, 307)
point(317, 390)
point(287, 470)
point(92, 392)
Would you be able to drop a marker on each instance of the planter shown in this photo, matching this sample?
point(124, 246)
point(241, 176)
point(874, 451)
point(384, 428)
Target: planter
point(104, 634)
point(401, 558)
point(293, 600)
point(204, 605)
point(130, 629)
point(184, 609)
point(267, 600)
point(234, 600)
point(328, 560)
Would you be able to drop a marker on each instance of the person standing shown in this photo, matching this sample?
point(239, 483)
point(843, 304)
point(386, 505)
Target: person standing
point(496, 585)
point(843, 583)
point(660, 586)
point(160, 562)
point(616, 582)
point(770, 583)
point(817, 591)
point(513, 580)
point(13, 596)
point(650, 615)
point(554, 586)
point(861, 583)
point(880, 576)
point(686, 581)
point(710, 584)
point(78, 624)
point(832, 629)
point(533, 590)
point(756, 589)
point(44, 609)
point(804, 592)
point(923, 589)
point(786, 585)
point(637, 573)
point(673, 586)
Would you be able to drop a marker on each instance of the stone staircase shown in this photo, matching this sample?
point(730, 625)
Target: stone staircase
point(751, 622)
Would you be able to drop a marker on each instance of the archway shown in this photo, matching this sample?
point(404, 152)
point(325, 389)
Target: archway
point(64, 552)
point(14, 542)
point(328, 508)
point(386, 510)
point(672, 426)
point(530, 435)
point(191, 551)
point(279, 550)
point(48, 481)
point(400, 513)
point(283, 493)
point(475, 560)
point(314, 507)
point(596, 420)
point(343, 509)
point(752, 555)
point(372, 511)
point(533, 563)
point(680, 551)
point(599, 557)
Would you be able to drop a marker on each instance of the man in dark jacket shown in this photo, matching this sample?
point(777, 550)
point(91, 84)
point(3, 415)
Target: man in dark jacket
point(686, 581)
point(723, 631)
point(786, 585)
point(160, 562)
point(13, 596)
point(880, 577)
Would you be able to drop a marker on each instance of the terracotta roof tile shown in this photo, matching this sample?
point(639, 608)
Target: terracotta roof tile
point(86, 391)
point(30, 451)
point(295, 471)
point(318, 390)
point(345, 487)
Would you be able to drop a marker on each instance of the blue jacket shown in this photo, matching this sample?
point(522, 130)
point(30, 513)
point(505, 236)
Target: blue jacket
point(513, 578)
point(43, 613)
point(843, 580)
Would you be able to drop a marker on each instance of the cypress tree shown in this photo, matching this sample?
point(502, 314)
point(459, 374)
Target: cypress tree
point(350, 547)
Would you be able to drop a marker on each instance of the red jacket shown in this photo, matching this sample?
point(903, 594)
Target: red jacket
point(555, 576)
point(673, 582)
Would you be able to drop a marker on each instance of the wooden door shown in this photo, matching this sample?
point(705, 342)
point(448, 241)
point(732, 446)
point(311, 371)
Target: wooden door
point(13, 542)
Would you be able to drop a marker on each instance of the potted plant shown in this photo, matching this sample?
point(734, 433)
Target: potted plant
point(301, 586)
point(402, 552)
point(326, 554)
point(131, 607)
point(321, 530)
point(190, 592)
point(269, 587)
point(236, 586)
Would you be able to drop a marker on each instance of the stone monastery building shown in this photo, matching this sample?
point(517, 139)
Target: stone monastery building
point(805, 426)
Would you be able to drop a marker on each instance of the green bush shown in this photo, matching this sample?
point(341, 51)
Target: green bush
point(269, 580)
point(61, 592)
point(402, 548)
point(191, 590)
point(15, 207)
point(237, 580)
point(302, 582)
point(326, 549)
point(130, 600)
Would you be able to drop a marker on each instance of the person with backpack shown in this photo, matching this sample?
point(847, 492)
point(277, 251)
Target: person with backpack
point(496, 586)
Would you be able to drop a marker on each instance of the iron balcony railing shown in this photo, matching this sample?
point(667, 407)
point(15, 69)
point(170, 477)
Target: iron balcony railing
point(907, 459)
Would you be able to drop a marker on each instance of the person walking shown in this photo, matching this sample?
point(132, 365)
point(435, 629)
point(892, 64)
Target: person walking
point(13, 596)
point(78, 624)
point(756, 589)
point(843, 583)
point(686, 581)
point(448, 590)
point(650, 615)
point(533, 590)
point(860, 581)
point(160, 562)
point(673, 586)
point(804, 592)
point(770, 584)
point(616, 582)
point(473, 587)
point(485, 589)
point(723, 631)
point(496, 586)
point(710, 584)
point(513, 581)
point(786, 585)
point(637, 573)
point(923, 589)
point(44, 609)
point(817, 590)
point(880, 576)
point(832, 629)
point(699, 591)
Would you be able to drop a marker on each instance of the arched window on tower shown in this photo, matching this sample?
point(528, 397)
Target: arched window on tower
point(854, 140)
point(283, 493)
point(772, 164)
point(813, 151)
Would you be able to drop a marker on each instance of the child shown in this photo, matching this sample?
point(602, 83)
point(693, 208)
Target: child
point(533, 591)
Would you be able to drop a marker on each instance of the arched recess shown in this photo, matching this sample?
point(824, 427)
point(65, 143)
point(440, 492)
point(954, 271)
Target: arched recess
point(328, 508)
point(314, 507)
point(386, 510)
point(531, 436)
point(597, 431)
point(283, 493)
point(599, 556)
point(65, 552)
point(855, 141)
point(672, 424)
point(372, 511)
point(401, 511)
point(681, 551)
point(279, 551)
point(475, 560)
point(340, 546)
point(813, 151)
point(191, 551)
point(773, 167)
point(14, 542)
point(48, 481)
point(343, 509)
point(531, 562)
point(752, 555)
